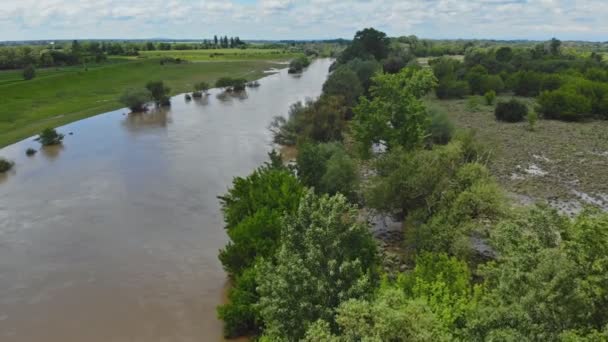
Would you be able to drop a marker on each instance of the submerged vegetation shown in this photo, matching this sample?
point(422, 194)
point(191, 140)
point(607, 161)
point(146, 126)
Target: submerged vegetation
point(50, 137)
point(5, 165)
point(301, 255)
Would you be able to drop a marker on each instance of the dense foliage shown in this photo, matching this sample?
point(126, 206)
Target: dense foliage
point(5, 165)
point(297, 65)
point(136, 99)
point(159, 92)
point(328, 169)
point(396, 115)
point(325, 257)
point(568, 86)
point(304, 265)
point(253, 209)
point(511, 111)
point(50, 137)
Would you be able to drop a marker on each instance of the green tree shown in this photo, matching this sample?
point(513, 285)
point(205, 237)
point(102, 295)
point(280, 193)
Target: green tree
point(159, 92)
point(136, 99)
point(50, 137)
point(389, 317)
point(367, 43)
point(549, 278)
point(395, 116)
point(555, 45)
point(326, 257)
point(344, 82)
point(327, 168)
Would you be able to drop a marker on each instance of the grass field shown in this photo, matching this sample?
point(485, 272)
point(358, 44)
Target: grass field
point(61, 95)
point(219, 54)
point(560, 162)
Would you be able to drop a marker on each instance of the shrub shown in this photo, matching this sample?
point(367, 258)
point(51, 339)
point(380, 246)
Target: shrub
point(231, 84)
point(201, 87)
point(29, 72)
point(159, 92)
point(298, 64)
point(532, 119)
point(564, 105)
point(451, 88)
point(30, 152)
point(5, 165)
point(440, 129)
point(50, 137)
point(327, 168)
point(240, 315)
point(188, 97)
point(344, 82)
point(490, 97)
point(526, 83)
point(475, 76)
point(492, 83)
point(511, 111)
point(136, 99)
point(473, 104)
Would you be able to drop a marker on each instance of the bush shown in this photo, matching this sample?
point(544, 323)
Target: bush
point(526, 83)
point(511, 111)
point(440, 129)
point(298, 64)
point(564, 105)
point(490, 97)
point(475, 76)
point(188, 97)
point(5, 165)
point(492, 83)
point(201, 87)
point(30, 152)
point(451, 88)
point(532, 119)
point(50, 137)
point(29, 72)
point(327, 168)
point(136, 99)
point(240, 315)
point(344, 82)
point(231, 84)
point(473, 104)
point(159, 92)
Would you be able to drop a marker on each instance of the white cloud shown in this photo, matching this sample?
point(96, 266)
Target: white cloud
point(283, 19)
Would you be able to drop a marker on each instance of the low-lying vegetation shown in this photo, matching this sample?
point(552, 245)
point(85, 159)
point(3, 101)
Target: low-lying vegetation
point(568, 87)
point(298, 64)
point(5, 165)
point(50, 137)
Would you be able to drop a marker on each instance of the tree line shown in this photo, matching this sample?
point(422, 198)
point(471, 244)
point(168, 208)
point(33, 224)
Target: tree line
point(305, 266)
point(567, 86)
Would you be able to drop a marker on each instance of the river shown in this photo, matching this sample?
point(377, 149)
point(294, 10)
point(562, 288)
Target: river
point(114, 236)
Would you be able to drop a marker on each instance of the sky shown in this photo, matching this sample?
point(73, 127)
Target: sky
point(302, 19)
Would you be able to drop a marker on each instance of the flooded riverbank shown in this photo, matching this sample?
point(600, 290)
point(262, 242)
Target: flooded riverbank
point(114, 236)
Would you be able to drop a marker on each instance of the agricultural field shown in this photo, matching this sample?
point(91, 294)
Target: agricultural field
point(219, 54)
point(563, 163)
point(61, 95)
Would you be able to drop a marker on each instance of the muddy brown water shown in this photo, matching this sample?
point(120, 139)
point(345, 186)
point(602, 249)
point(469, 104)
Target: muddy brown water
point(114, 236)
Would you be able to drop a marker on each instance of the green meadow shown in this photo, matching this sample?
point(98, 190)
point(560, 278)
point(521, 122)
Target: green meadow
point(58, 96)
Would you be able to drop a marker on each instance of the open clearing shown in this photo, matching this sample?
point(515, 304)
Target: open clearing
point(62, 95)
point(563, 163)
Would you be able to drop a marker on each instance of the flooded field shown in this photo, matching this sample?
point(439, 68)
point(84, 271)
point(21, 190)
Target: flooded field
point(114, 235)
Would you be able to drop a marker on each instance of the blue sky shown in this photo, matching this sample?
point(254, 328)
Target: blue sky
point(303, 19)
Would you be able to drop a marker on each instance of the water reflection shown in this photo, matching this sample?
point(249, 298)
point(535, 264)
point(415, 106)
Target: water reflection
point(154, 118)
point(114, 236)
point(52, 152)
point(229, 96)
